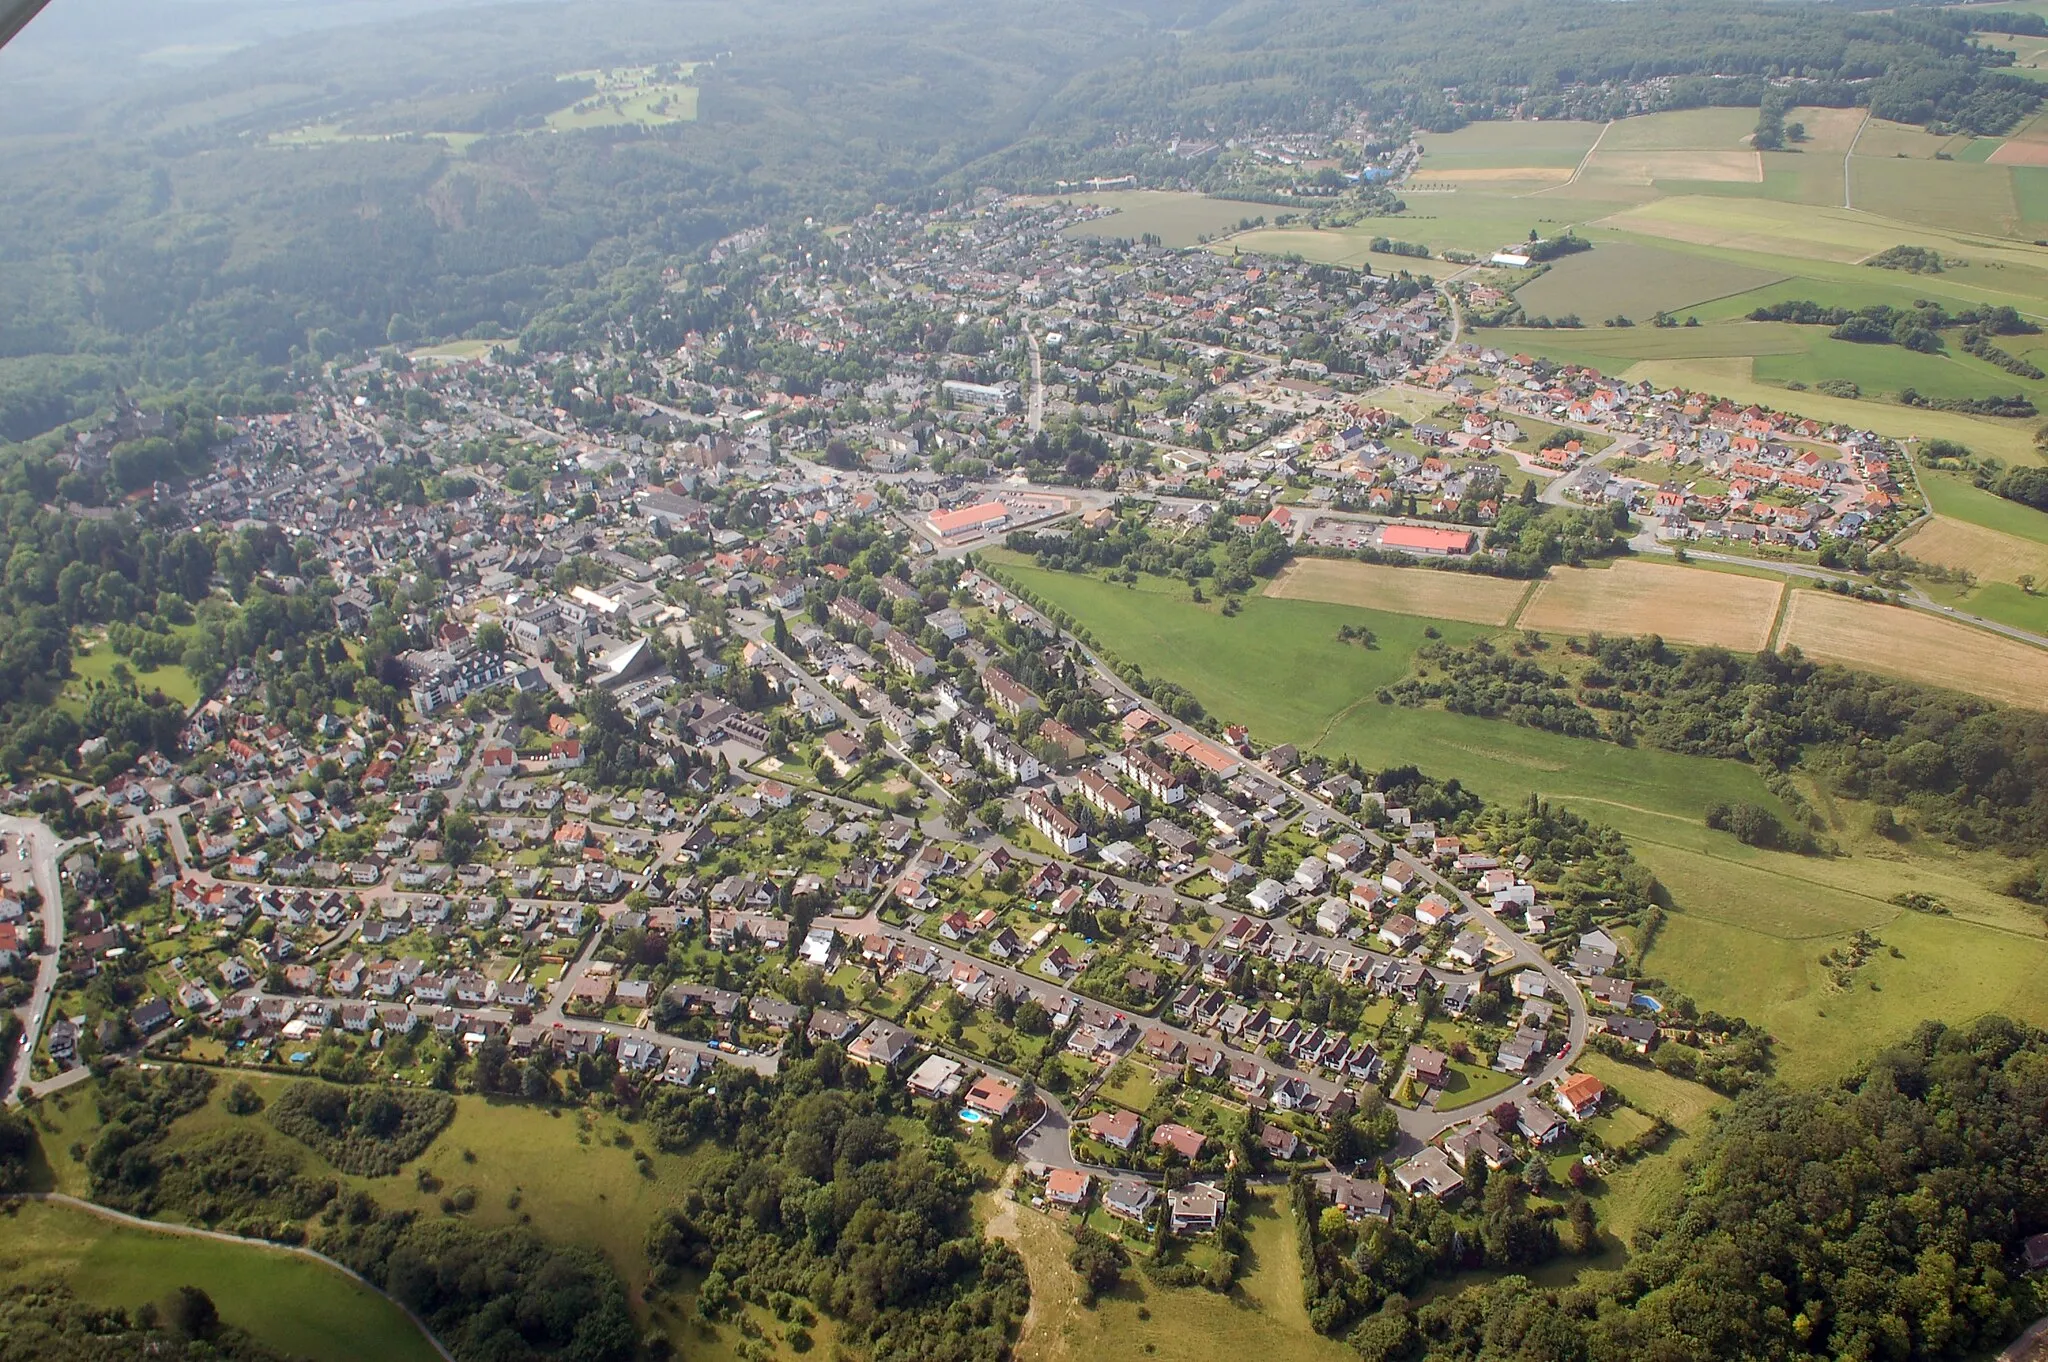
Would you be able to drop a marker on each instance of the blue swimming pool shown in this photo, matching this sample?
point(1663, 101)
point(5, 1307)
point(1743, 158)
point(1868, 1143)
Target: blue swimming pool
point(970, 1115)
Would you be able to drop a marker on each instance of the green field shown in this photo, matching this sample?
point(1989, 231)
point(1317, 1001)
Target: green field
point(1489, 146)
point(1176, 219)
point(1636, 281)
point(291, 1303)
point(1749, 925)
point(96, 662)
point(1960, 499)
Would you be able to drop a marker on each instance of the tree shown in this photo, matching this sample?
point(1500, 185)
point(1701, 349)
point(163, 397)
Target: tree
point(2026, 582)
point(1099, 1262)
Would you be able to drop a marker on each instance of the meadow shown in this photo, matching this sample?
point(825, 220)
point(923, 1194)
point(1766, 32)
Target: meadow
point(1747, 926)
point(286, 1301)
point(570, 1174)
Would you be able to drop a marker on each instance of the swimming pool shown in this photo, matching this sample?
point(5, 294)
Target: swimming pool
point(970, 1115)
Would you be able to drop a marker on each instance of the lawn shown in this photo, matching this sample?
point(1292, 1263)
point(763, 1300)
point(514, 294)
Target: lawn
point(290, 1303)
point(95, 661)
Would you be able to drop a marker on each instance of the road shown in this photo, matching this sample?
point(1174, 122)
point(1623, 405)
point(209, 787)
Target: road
point(44, 848)
point(1848, 196)
point(1034, 419)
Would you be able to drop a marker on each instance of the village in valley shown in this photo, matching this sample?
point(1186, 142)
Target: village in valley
point(704, 732)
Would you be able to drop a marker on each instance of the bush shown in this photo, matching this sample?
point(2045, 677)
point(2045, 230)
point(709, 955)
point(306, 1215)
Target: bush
point(371, 1132)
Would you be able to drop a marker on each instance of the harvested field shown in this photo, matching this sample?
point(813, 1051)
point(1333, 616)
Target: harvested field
point(1493, 174)
point(1917, 646)
point(1992, 554)
point(1683, 605)
point(2015, 152)
point(1404, 591)
point(1648, 167)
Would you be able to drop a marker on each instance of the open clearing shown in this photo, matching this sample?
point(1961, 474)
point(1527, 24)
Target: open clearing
point(1635, 281)
point(1677, 603)
point(1405, 591)
point(1262, 1317)
point(1992, 555)
point(290, 1303)
point(1508, 146)
point(1916, 645)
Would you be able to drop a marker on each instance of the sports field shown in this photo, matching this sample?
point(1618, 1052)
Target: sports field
point(1915, 645)
point(1991, 554)
point(1405, 591)
point(1683, 605)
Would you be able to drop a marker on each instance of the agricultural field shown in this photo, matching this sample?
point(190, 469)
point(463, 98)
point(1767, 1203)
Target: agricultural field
point(1517, 154)
point(1992, 555)
point(288, 1302)
point(1405, 591)
point(1635, 281)
point(1682, 605)
point(1176, 219)
point(1915, 645)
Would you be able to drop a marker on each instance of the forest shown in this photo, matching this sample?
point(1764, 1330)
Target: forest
point(1878, 1219)
point(822, 1197)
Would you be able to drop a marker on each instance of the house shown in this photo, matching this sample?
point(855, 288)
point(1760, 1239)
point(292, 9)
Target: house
point(1538, 1123)
point(1267, 897)
point(1518, 1050)
point(1430, 1068)
point(1129, 1199)
point(1333, 917)
point(1429, 1173)
point(1468, 950)
point(992, 1097)
point(1358, 1198)
point(1054, 824)
point(1638, 1033)
point(152, 1016)
point(882, 1043)
point(936, 1077)
point(1197, 1209)
point(1114, 803)
point(1181, 1140)
point(1398, 876)
point(827, 1025)
point(1400, 932)
point(1279, 1141)
point(1580, 1095)
point(1434, 910)
point(1068, 1186)
point(1118, 1128)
